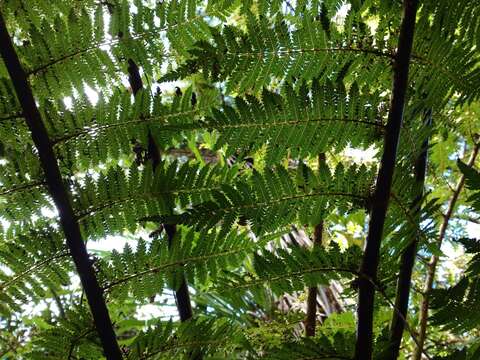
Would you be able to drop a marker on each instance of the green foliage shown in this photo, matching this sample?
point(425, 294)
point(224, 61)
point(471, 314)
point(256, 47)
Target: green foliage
point(196, 336)
point(289, 270)
point(73, 336)
point(278, 198)
point(316, 120)
point(253, 59)
point(31, 266)
point(60, 51)
point(199, 256)
point(116, 200)
point(320, 348)
point(253, 139)
point(462, 298)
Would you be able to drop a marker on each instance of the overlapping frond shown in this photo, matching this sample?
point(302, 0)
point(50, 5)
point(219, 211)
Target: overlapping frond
point(462, 298)
point(269, 53)
point(74, 336)
point(68, 47)
point(32, 265)
point(270, 83)
point(275, 199)
point(275, 52)
point(294, 269)
point(30, 193)
point(201, 256)
point(115, 201)
point(319, 118)
point(217, 338)
point(91, 135)
point(339, 348)
point(453, 61)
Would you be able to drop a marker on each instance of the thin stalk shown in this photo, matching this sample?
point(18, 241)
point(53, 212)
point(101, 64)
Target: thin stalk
point(432, 264)
point(60, 196)
point(311, 318)
point(407, 260)
point(369, 267)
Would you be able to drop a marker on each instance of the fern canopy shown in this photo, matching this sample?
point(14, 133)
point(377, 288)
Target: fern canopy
point(186, 179)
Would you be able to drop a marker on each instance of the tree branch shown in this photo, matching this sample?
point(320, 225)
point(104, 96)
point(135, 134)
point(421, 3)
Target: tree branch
point(364, 347)
point(407, 259)
point(60, 196)
point(432, 264)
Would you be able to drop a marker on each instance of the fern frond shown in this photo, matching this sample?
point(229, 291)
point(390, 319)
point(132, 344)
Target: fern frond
point(31, 265)
point(341, 347)
point(462, 298)
point(77, 43)
point(110, 129)
point(314, 121)
point(21, 179)
point(275, 199)
point(200, 256)
point(265, 52)
point(319, 118)
point(9, 106)
point(27, 12)
point(293, 269)
point(73, 337)
point(214, 337)
point(118, 199)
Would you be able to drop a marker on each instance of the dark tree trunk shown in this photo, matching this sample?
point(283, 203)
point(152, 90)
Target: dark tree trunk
point(311, 319)
point(368, 270)
point(407, 261)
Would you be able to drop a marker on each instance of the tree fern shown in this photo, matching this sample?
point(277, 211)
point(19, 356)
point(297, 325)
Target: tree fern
point(191, 130)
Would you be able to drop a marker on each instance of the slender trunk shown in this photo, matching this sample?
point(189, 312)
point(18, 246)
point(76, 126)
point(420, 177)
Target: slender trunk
point(407, 260)
point(182, 296)
point(368, 270)
point(60, 196)
point(432, 264)
point(311, 318)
